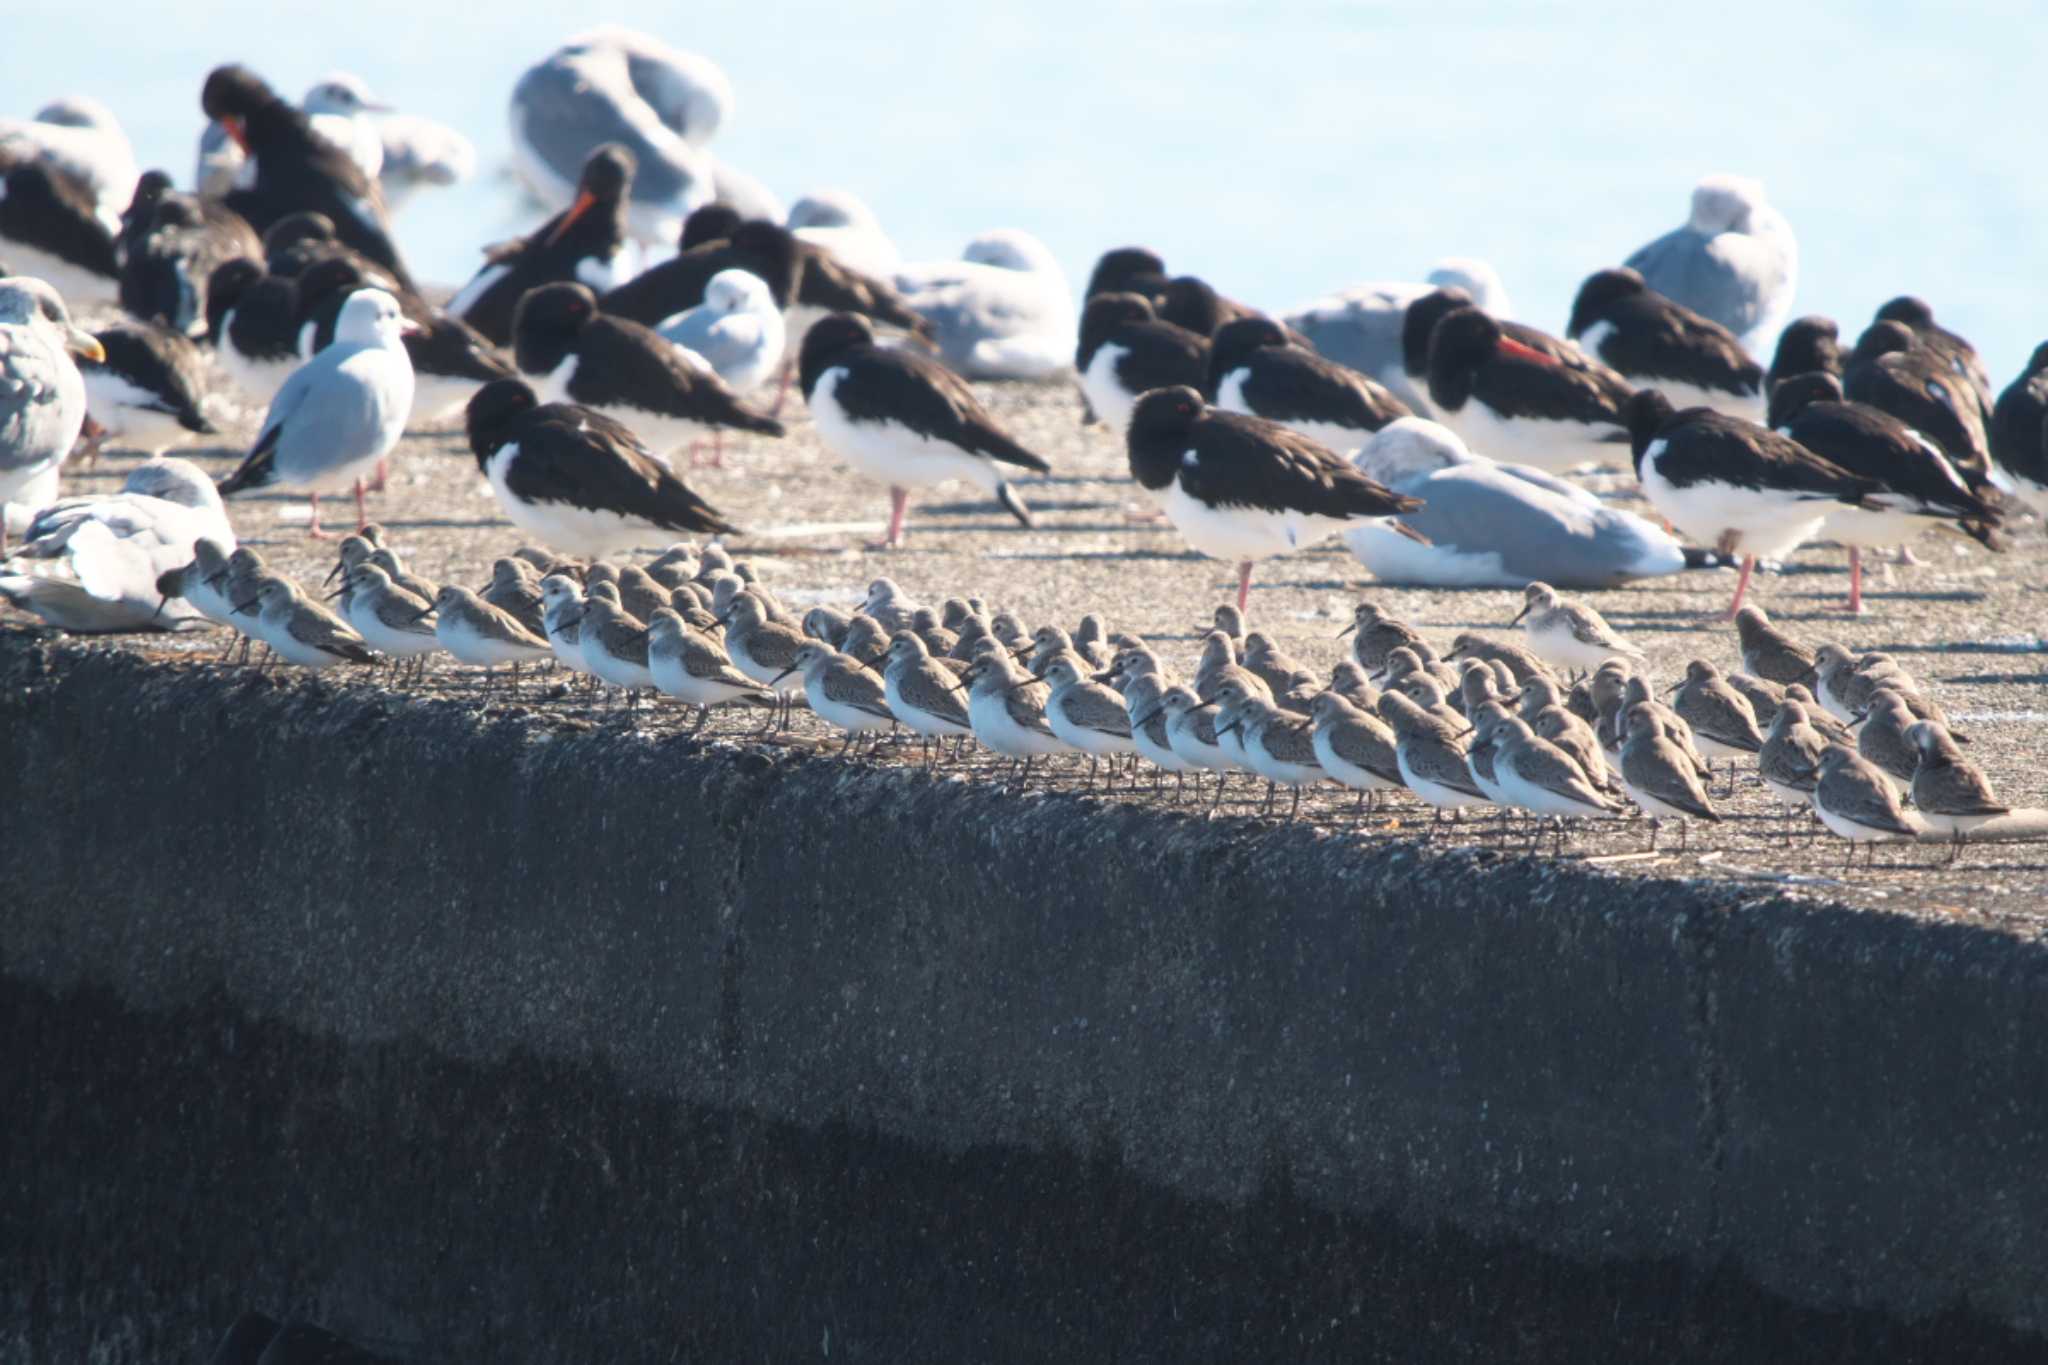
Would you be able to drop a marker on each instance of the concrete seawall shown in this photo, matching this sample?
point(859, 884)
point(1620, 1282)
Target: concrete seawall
point(476, 1032)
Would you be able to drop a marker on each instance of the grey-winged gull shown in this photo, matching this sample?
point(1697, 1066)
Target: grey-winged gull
point(1361, 326)
point(42, 394)
point(92, 564)
point(1734, 261)
point(738, 331)
point(615, 85)
point(82, 138)
point(1497, 525)
point(842, 223)
point(340, 412)
point(1002, 311)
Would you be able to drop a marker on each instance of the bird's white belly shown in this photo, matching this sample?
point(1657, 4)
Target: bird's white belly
point(76, 283)
point(1763, 523)
point(560, 525)
point(1106, 392)
point(1240, 533)
point(990, 715)
point(887, 451)
point(129, 412)
point(1548, 444)
point(1855, 526)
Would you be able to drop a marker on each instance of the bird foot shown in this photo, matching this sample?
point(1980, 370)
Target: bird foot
point(1850, 608)
point(320, 533)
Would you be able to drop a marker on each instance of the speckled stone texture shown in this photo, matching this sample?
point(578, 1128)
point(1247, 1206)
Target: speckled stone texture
point(475, 1033)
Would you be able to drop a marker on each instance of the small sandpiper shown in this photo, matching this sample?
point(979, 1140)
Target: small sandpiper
point(762, 649)
point(615, 646)
point(1568, 635)
point(1950, 793)
point(479, 634)
point(1086, 715)
point(922, 692)
point(1191, 731)
point(562, 620)
point(515, 590)
point(1278, 745)
point(1541, 778)
point(1376, 635)
point(1789, 762)
point(1523, 664)
point(841, 692)
point(1145, 705)
point(388, 617)
point(691, 666)
point(1354, 746)
point(1723, 723)
point(1855, 800)
point(1576, 738)
point(303, 632)
point(1847, 682)
point(892, 608)
point(1659, 777)
point(1431, 754)
point(1006, 706)
point(1771, 654)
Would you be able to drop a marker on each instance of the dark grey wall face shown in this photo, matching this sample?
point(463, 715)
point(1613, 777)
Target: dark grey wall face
point(481, 1039)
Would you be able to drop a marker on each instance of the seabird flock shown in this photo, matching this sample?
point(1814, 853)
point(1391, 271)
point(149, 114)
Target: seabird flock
point(669, 300)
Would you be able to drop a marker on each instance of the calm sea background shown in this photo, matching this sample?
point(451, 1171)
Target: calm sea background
point(1279, 150)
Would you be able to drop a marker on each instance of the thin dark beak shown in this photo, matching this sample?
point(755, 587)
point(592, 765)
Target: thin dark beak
point(336, 593)
point(783, 674)
point(1520, 614)
point(338, 566)
point(247, 607)
point(161, 603)
point(423, 615)
point(1347, 630)
point(1674, 687)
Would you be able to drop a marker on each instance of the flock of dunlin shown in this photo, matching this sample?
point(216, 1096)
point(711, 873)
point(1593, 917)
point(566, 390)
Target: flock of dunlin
point(1565, 725)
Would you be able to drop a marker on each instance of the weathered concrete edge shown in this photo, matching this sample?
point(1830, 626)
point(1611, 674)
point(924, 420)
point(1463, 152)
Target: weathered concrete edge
point(1848, 1105)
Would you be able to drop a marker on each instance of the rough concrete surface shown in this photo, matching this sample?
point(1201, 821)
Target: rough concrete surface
point(495, 958)
point(437, 923)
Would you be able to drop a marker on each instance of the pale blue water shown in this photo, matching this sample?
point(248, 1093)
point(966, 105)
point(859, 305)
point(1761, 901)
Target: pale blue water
point(1279, 150)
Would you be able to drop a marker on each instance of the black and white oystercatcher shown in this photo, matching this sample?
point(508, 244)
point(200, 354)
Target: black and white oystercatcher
point(296, 168)
point(1892, 370)
point(145, 394)
point(713, 240)
point(577, 480)
point(1808, 345)
point(1919, 486)
point(1734, 485)
point(253, 319)
point(1519, 404)
point(1126, 350)
point(1653, 342)
point(48, 229)
point(574, 353)
point(581, 243)
point(1243, 489)
point(1255, 370)
point(2019, 434)
point(904, 419)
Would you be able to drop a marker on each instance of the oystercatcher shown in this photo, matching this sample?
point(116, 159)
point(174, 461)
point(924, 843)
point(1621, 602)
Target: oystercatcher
point(630, 373)
point(1735, 485)
point(1517, 403)
point(1126, 350)
point(1919, 485)
point(1254, 369)
point(904, 419)
point(1242, 488)
point(1651, 341)
point(582, 243)
point(575, 478)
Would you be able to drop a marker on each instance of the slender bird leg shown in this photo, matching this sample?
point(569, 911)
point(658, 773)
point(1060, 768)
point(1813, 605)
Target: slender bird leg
point(1244, 585)
point(1684, 834)
point(1855, 604)
point(1741, 586)
point(1295, 809)
point(899, 503)
point(782, 388)
point(1653, 834)
point(313, 527)
point(1271, 791)
point(362, 517)
point(1359, 809)
point(1955, 849)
